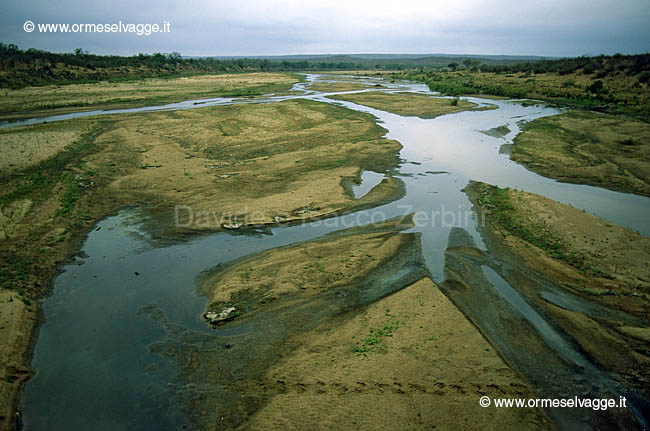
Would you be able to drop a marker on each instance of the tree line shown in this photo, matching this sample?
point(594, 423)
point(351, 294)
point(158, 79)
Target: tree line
point(34, 66)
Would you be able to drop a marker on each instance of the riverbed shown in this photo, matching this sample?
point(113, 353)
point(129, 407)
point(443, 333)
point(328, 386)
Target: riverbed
point(96, 368)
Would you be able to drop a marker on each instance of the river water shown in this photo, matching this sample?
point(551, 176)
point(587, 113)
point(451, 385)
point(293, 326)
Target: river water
point(95, 368)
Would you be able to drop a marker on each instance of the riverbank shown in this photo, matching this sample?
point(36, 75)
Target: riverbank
point(588, 148)
point(589, 276)
point(230, 166)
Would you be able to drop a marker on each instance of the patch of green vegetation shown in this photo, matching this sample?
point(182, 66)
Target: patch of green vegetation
point(455, 85)
point(258, 90)
point(15, 273)
point(230, 127)
point(375, 341)
point(70, 196)
point(503, 214)
point(312, 267)
point(333, 87)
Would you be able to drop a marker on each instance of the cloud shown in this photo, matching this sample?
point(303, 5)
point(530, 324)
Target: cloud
point(246, 27)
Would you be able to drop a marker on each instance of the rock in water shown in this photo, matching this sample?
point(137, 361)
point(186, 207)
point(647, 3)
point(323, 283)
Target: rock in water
point(219, 317)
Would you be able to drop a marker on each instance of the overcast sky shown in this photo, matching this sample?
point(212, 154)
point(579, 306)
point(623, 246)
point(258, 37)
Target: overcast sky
point(265, 27)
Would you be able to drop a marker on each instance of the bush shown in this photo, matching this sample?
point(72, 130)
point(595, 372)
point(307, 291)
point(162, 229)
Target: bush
point(596, 88)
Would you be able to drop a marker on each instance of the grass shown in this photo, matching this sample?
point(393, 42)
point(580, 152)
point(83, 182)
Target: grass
point(246, 273)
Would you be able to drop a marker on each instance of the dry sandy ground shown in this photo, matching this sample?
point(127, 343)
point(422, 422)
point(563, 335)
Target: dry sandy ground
point(430, 373)
point(58, 99)
point(409, 104)
point(588, 148)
